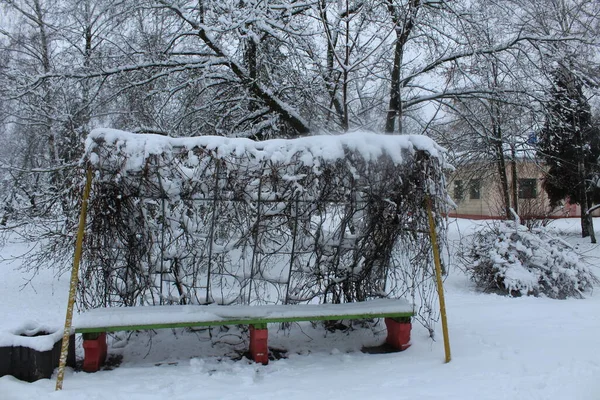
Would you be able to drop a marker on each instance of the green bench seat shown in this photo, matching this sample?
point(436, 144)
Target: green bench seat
point(95, 323)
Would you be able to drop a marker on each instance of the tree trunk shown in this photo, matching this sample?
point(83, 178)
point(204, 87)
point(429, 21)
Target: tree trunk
point(587, 222)
point(585, 229)
point(501, 165)
point(515, 178)
point(332, 76)
point(402, 34)
point(45, 59)
point(345, 116)
point(500, 159)
point(395, 106)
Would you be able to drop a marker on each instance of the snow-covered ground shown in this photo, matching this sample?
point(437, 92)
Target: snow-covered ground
point(502, 348)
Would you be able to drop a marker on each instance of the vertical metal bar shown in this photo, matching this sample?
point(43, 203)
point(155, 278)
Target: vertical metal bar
point(255, 235)
point(211, 234)
point(64, 350)
point(438, 277)
point(342, 230)
point(162, 235)
point(292, 253)
point(162, 247)
point(338, 254)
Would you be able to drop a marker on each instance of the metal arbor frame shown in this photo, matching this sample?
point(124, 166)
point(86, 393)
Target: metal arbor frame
point(239, 230)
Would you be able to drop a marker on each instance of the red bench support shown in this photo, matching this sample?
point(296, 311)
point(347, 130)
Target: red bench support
point(95, 347)
point(95, 350)
point(398, 332)
point(259, 349)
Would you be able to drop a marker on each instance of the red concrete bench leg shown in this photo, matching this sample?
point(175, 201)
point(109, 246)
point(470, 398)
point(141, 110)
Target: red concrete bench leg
point(398, 332)
point(95, 349)
point(259, 349)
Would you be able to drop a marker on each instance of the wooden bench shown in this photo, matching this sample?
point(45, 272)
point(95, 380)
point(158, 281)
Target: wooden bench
point(94, 324)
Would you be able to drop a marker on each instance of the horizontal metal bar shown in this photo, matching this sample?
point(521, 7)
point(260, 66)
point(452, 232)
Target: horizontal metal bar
point(342, 201)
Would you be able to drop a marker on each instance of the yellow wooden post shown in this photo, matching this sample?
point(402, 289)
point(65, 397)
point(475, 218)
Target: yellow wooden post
point(74, 280)
point(438, 278)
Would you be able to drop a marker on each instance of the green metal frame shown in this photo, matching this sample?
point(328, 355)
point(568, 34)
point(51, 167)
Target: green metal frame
point(404, 316)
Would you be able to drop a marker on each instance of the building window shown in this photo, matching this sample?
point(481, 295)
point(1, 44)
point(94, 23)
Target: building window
point(475, 189)
point(527, 188)
point(459, 191)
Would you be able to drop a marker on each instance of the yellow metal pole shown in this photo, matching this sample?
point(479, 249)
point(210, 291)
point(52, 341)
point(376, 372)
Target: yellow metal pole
point(74, 280)
point(438, 278)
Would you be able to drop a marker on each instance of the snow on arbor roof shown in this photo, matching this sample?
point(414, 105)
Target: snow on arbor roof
point(310, 150)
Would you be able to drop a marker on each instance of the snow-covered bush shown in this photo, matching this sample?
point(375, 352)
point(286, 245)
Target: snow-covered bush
point(520, 261)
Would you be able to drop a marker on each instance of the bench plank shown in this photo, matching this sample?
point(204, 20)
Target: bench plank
point(180, 316)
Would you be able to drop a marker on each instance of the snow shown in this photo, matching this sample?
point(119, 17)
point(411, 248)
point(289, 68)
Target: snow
point(136, 148)
point(24, 335)
point(502, 348)
point(128, 316)
point(523, 261)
